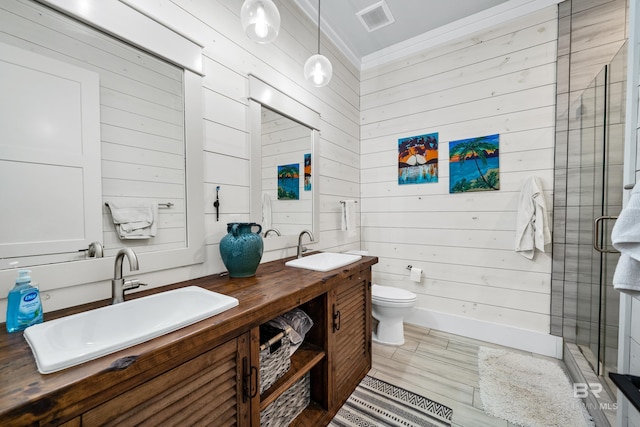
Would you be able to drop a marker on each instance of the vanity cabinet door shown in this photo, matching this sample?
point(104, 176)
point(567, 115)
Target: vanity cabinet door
point(351, 337)
point(206, 390)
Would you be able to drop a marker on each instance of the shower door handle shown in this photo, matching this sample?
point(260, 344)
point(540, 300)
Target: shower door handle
point(596, 234)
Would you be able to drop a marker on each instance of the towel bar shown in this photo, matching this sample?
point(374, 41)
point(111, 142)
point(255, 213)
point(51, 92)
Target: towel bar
point(160, 205)
point(344, 201)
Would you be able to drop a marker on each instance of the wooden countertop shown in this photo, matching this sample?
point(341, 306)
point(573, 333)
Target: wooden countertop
point(27, 396)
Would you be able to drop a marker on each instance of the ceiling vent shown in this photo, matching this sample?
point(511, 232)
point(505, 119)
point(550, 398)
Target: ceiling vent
point(376, 16)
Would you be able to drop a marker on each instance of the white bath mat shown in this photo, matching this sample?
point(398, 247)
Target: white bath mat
point(528, 391)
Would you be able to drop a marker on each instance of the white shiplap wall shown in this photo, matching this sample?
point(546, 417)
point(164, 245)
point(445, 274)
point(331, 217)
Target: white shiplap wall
point(497, 81)
point(228, 58)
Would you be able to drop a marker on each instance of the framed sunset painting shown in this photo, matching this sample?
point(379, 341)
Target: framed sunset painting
point(307, 172)
point(418, 159)
point(474, 164)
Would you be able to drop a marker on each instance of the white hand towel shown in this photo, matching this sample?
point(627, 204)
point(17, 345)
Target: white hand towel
point(266, 211)
point(627, 275)
point(349, 217)
point(625, 237)
point(134, 219)
point(532, 221)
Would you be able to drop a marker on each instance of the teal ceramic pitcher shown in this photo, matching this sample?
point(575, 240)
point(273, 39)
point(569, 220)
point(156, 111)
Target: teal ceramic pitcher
point(241, 249)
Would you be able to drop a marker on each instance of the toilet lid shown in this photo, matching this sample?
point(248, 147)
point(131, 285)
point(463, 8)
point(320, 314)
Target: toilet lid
point(388, 293)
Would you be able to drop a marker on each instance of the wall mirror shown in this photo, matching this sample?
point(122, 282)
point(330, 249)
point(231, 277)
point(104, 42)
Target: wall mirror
point(138, 116)
point(284, 165)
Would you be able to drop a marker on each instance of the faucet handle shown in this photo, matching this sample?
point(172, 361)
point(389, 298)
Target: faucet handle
point(132, 284)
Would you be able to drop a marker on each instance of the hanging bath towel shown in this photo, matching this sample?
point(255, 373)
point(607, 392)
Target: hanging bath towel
point(532, 221)
point(266, 211)
point(625, 237)
point(349, 217)
point(134, 219)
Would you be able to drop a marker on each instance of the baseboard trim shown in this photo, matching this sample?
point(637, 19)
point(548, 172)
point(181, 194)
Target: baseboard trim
point(521, 339)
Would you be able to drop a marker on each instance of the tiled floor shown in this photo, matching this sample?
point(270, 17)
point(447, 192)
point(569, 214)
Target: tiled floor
point(439, 366)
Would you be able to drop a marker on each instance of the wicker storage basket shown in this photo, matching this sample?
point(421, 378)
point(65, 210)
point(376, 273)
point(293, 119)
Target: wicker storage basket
point(288, 405)
point(275, 360)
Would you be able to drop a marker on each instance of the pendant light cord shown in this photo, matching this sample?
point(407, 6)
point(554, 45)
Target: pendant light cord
point(319, 27)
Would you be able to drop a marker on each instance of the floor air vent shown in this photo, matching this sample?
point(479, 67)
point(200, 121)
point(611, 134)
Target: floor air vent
point(376, 16)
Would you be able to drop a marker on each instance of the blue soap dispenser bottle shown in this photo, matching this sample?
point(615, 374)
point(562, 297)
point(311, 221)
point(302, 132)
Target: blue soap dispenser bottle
point(23, 304)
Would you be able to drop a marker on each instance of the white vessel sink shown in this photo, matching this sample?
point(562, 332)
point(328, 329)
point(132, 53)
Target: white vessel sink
point(75, 339)
point(323, 261)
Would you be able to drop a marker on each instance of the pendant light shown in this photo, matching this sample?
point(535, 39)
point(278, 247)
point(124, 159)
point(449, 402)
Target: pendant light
point(318, 69)
point(260, 20)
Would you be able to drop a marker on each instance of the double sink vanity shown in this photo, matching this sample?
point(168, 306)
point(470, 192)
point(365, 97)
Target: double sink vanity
point(189, 352)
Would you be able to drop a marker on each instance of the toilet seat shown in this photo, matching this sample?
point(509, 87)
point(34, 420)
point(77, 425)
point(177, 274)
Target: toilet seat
point(390, 295)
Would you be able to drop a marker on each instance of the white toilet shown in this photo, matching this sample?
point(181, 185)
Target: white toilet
point(389, 306)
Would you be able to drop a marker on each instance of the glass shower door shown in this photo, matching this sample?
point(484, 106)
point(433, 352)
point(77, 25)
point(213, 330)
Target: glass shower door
point(595, 182)
point(585, 183)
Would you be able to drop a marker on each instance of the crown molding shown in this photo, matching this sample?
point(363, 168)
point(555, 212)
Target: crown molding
point(480, 21)
point(455, 30)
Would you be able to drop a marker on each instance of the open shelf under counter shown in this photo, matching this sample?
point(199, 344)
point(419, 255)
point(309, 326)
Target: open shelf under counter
point(302, 361)
point(311, 416)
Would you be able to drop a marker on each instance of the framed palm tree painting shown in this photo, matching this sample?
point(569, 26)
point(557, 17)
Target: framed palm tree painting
point(474, 164)
point(288, 182)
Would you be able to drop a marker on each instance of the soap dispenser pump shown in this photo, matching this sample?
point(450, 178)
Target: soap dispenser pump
point(23, 304)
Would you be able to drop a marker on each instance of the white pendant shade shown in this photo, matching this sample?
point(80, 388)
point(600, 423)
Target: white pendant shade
point(260, 20)
point(318, 70)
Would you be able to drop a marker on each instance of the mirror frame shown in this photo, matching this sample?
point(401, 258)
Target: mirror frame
point(263, 94)
point(139, 29)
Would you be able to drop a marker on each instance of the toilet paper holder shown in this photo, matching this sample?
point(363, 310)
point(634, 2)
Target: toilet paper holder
point(415, 274)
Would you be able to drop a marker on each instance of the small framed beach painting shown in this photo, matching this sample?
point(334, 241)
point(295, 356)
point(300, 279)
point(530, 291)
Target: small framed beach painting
point(289, 182)
point(474, 164)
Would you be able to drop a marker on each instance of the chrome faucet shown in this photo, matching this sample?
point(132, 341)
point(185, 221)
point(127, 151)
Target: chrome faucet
point(302, 249)
point(272, 230)
point(118, 284)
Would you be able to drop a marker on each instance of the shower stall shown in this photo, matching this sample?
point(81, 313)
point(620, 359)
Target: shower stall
point(590, 176)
